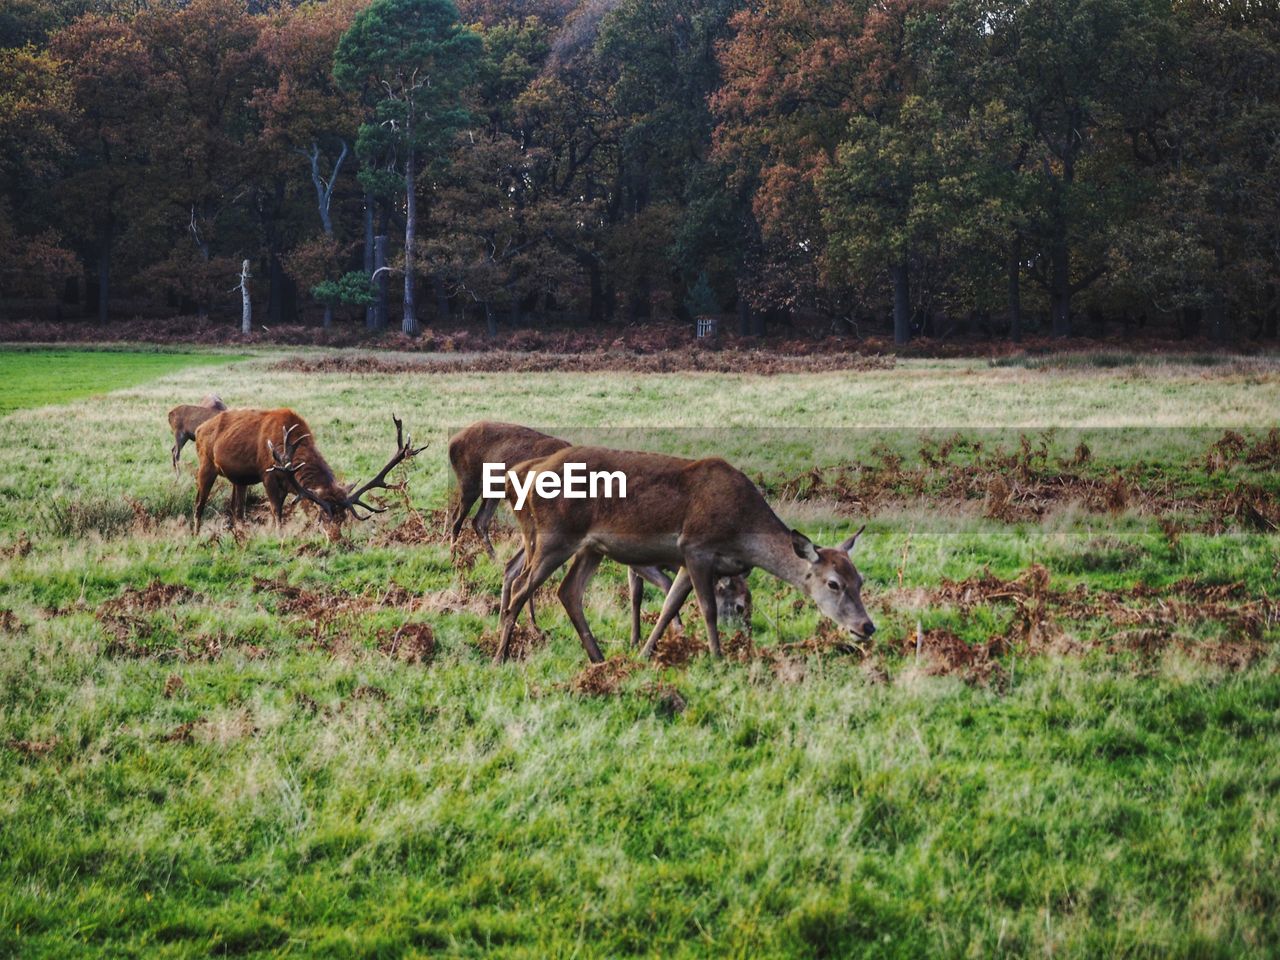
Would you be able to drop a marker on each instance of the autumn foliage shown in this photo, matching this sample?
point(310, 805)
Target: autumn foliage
point(926, 168)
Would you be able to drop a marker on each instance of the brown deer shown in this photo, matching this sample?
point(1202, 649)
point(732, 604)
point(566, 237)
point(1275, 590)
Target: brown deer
point(704, 516)
point(489, 441)
point(275, 448)
point(186, 417)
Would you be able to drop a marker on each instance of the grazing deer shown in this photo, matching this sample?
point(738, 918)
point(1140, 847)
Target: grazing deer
point(489, 441)
point(186, 417)
point(701, 515)
point(275, 448)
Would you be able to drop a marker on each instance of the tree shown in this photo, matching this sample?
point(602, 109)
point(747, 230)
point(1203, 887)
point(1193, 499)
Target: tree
point(419, 60)
point(35, 109)
point(201, 161)
point(1081, 74)
point(308, 122)
point(112, 80)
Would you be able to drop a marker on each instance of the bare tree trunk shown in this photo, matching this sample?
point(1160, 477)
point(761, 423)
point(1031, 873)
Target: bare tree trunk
point(410, 324)
point(380, 272)
point(246, 305)
point(328, 316)
point(901, 278)
point(371, 311)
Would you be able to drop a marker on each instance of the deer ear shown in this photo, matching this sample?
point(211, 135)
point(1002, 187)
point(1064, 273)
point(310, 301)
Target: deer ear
point(803, 547)
point(848, 545)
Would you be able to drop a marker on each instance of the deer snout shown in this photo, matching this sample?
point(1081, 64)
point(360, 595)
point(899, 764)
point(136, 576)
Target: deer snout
point(864, 628)
point(739, 607)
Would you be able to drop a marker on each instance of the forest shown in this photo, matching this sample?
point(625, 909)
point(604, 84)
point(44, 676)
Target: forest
point(905, 168)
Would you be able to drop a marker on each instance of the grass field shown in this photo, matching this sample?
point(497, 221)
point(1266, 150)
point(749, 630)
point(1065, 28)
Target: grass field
point(1063, 739)
point(38, 377)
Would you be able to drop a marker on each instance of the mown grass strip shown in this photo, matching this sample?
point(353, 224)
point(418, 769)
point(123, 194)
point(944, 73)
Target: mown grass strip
point(37, 378)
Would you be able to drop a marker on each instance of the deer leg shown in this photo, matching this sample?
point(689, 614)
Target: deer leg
point(571, 590)
point(467, 496)
point(237, 504)
point(513, 569)
point(703, 577)
point(539, 567)
point(480, 524)
point(204, 483)
point(660, 580)
point(636, 585)
point(179, 441)
point(276, 494)
point(676, 596)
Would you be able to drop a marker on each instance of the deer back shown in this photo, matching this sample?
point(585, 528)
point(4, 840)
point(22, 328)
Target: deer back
point(490, 441)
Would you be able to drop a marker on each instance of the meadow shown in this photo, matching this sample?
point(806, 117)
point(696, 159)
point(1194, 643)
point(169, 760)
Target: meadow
point(1061, 740)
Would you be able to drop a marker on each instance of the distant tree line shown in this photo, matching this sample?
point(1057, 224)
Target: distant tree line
point(929, 167)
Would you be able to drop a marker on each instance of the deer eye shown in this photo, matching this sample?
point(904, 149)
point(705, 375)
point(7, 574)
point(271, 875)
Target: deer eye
point(833, 585)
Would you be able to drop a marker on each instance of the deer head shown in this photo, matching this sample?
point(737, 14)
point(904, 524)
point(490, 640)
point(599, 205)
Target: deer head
point(334, 501)
point(833, 582)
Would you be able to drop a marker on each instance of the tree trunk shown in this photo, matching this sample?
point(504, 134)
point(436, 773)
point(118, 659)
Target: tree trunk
point(901, 277)
point(328, 316)
point(1015, 290)
point(380, 304)
point(490, 319)
point(246, 305)
point(1060, 288)
point(371, 311)
point(410, 324)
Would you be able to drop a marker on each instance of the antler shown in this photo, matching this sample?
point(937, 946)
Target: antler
point(404, 451)
point(284, 463)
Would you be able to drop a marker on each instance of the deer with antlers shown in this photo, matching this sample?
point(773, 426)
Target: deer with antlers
point(488, 441)
point(275, 448)
point(703, 516)
point(186, 417)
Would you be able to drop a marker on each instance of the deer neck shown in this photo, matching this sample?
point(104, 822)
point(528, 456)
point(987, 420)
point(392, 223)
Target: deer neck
point(314, 473)
point(773, 552)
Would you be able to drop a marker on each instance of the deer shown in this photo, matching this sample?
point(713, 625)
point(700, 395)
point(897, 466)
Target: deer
point(490, 441)
point(186, 417)
point(703, 516)
point(275, 448)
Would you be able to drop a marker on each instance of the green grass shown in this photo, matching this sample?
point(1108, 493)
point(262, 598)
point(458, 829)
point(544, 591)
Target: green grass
point(329, 800)
point(37, 378)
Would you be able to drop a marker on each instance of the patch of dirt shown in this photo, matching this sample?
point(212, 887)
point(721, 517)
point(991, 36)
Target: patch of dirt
point(9, 622)
point(1147, 618)
point(1026, 483)
point(183, 733)
point(173, 685)
point(677, 647)
point(154, 596)
point(408, 643)
point(18, 549)
point(604, 679)
point(664, 696)
point(33, 748)
point(524, 641)
point(943, 652)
